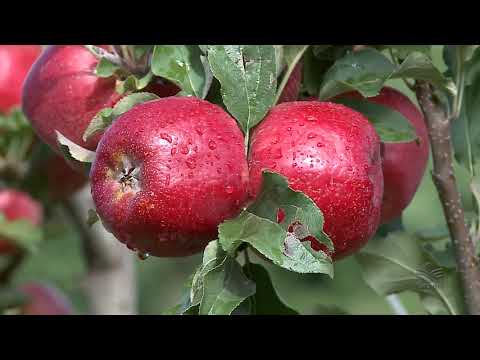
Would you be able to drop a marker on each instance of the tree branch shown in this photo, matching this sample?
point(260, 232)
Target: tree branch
point(111, 280)
point(444, 178)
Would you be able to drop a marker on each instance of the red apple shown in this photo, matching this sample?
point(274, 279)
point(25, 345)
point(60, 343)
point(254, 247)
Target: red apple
point(167, 172)
point(62, 93)
point(403, 163)
point(16, 205)
point(332, 154)
point(63, 180)
point(15, 61)
point(44, 300)
point(292, 88)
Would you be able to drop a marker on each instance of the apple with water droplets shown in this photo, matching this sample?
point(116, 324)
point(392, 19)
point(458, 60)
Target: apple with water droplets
point(332, 154)
point(404, 164)
point(15, 62)
point(17, 205)
point(167, 173)
point(62, 92)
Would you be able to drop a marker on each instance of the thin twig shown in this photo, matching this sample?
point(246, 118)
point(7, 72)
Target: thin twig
point(444, 178)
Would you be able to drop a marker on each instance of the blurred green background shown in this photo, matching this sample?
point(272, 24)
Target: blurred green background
point(59, 261)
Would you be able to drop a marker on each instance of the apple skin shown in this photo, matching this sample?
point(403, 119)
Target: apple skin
point(15, 62)
point(189, 173)
point(292, 88)
point(332, 154)
point(63, 93)
point(44, 300)
point(16, 205)
point(62, 179)
point(404, 164)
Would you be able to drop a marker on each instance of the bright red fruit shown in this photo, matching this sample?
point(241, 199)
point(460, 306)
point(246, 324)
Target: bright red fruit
point(167, 172)
point(404, 163)
point(62, 93)
point(16, 205)
point(44, 300)
point(332, 154)
point(292, 88)
point(15, 61)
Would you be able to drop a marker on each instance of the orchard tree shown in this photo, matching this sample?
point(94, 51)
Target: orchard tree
point(292, 156)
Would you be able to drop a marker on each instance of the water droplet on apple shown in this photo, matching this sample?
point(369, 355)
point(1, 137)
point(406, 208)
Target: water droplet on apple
point(320, 145)
point(142, 255)
point(191, 163)
point(173, 151)
point(229, 189)
point(184, 150)
point(212, 145)
point(311, 136)
point(166, 137)
point(199, 130)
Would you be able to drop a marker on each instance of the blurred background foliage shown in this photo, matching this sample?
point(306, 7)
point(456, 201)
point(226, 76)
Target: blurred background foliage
point(59, 260)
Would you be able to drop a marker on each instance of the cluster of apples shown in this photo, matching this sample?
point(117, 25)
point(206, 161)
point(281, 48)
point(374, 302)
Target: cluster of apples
point(169, 171)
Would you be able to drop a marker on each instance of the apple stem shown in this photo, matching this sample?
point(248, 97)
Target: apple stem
point(396, 304)
point(443, 175)
point(111, 284)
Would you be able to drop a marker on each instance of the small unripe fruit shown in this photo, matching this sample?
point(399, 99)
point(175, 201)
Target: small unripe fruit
point(15, 61)
point(167, 173)
point(403, 163)
point(332, 154)
point(16, 205)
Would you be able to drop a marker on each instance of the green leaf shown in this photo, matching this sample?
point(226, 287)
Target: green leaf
point(92, 217)
point(275, 243)
point(132, 83)
point(390, 125)
point(258, 227)
point(21, 232)
point(420, 67)
point(225, 288)
point(105, 117)
point(75, 153)
point(444, 257)
point(106, 68)
point(11, 298)
point(403, 51)
point(265, 301)
point(213, 256)
point(101, 121)
point(298, 207)
point(247, 74)
point(292, 55)
point(313, 71)
point(182, 64)
point(16, 135)
point(279, 59)
point(364, 71)
point(396, 263)
point(329, 310)
point(451, 288)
